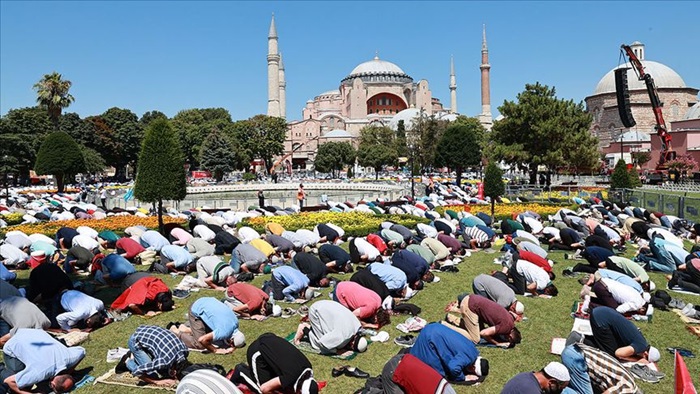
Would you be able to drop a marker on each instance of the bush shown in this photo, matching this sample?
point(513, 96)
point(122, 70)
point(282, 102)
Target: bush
point(249, 176)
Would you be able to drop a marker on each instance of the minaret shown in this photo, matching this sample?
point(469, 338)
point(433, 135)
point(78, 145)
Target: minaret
point(283, 90)
point(485, 115)
point(273, 72)
point(453, 87)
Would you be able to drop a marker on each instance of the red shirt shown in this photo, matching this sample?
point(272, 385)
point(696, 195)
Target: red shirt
point(141, 292)
point(130, 247)
point(492, 314)
point(377, 242)
point(353, 296)
point(416, 377)
point(535, 259)
point(248, 294)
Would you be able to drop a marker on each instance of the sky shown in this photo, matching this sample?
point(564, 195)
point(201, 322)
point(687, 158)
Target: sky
point(175, 55)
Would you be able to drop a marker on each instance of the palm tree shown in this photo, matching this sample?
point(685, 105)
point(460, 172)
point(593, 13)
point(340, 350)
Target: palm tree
point(52, 95)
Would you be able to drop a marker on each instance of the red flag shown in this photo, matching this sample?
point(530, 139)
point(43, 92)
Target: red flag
point(684, 384)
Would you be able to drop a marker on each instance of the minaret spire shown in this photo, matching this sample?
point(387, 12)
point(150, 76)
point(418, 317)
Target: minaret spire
point(283, 90)
point(485, 115)
point(453, 86)
point(273, 72)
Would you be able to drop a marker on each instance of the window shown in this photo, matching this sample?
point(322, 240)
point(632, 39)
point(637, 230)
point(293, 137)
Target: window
point(389, 103)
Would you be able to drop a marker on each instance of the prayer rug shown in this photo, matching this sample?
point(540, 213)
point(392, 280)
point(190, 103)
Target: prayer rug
point(306, 347)
point(685, 319)
point(128, 380)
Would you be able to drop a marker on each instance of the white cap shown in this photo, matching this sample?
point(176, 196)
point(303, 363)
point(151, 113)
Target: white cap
point(652, 286)
point(238, 339)
point(558, 371)
point(388, 303)
point(551, 263)
point(38, 253)
point(646, 296)
point(436, 279)
point(309, 294)
point(361, 345)
point(519, 307)
point(275, 259)
point(276, 311)
point(654, 354)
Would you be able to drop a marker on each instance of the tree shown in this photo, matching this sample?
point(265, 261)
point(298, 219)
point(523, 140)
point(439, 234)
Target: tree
point(77, 128)
point(620, 178)
point(683, 164)
point(493, 184)
point(161, 172)
point(422, 139)
point(21, 133)
point(580, 152)
point(333, 156)
point(531, 132)
point(126, 132)
point(218, 155)
point(400, 143)
point(634, 178)
point(376, 148)
point(261, 137)
point(641, 158)
point(149, 117)
point(59, 156)
point(94, 163)
point(460, 146)
point(52, 95)
point(193, 126)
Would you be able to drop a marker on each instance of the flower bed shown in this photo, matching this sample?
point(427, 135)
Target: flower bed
point(354, 223)
point(12, 218)
point(113, 223)
point(504, 211)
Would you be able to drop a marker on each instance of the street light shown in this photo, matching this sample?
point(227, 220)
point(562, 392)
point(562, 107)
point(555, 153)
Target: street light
point(7, 187)
point(410, 173)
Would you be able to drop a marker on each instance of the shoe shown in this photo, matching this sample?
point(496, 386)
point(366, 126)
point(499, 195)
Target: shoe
point(114, 355)
point(303, 311)
point(574, 337)
point(171, 324)
point(643, 373)
point(355, 373)
point(566, 256)
point(405, 341)
point(287, 313)
point(682, 351)
point(676, 303)
point(568, 273)
point(338, 372)
point(121, 365)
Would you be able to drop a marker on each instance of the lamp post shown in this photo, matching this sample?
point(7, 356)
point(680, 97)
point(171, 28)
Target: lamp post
point(7, 187)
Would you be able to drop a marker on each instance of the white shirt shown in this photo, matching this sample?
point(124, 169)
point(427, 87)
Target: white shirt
point(533, 274)
point(247, 234)
point(553, 231)
point(85, 230)
point(308, 237)
point(337, 229)
point(525, 234)
point(610, 233)
point(43, 238)
point(366, 248)
point(668, 236)
point(203, 232)
point(86, 242)
point(628, 298)
point(12, 254)
point(427, 230)
point(292, 237)
point(78, 306)
point(535, 225)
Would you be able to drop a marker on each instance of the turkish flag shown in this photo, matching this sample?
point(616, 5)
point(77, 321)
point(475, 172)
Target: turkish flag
point(684, 384)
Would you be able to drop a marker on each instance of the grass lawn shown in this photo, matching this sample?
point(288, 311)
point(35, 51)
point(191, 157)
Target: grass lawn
point(547, 318)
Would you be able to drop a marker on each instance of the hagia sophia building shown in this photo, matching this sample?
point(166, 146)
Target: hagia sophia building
point(376, 92)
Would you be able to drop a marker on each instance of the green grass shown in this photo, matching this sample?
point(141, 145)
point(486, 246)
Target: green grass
point(547, 319)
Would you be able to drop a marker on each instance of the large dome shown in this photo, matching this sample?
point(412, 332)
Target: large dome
point(377, 70)
point(664, 77)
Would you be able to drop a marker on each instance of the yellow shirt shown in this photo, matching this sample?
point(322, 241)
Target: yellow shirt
point(274, 228)
point(263, 246)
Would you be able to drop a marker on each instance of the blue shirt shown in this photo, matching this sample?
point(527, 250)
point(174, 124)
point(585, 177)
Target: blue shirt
point(411, 264)
point(42, 355)
point(294, 279)
point(5, 274)
point(446, 350)
point(217, 316)
point(624, 332)
point(177, 254)
point(394, 278)
point(620, 277)
point(118, 266)
point(153, 240)
point(45, 247)
point(596, 254)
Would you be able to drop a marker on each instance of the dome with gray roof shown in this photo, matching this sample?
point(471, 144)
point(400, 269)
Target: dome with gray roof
point(378, 71)
point(664, 77)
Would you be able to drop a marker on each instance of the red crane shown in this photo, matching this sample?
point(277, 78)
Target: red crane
point(667, 152)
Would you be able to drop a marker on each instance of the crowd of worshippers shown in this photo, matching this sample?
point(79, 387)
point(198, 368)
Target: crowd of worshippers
point(386, 269)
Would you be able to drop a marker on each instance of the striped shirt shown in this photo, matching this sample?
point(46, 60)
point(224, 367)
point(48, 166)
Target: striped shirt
point(606, 373)
point(476, 233)
point(166, 349)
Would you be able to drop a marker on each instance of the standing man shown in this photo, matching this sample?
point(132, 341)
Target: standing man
point(103, 197)
point(261, 198)
point(301, 196)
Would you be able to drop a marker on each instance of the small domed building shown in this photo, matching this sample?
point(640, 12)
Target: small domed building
point(676, 96)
